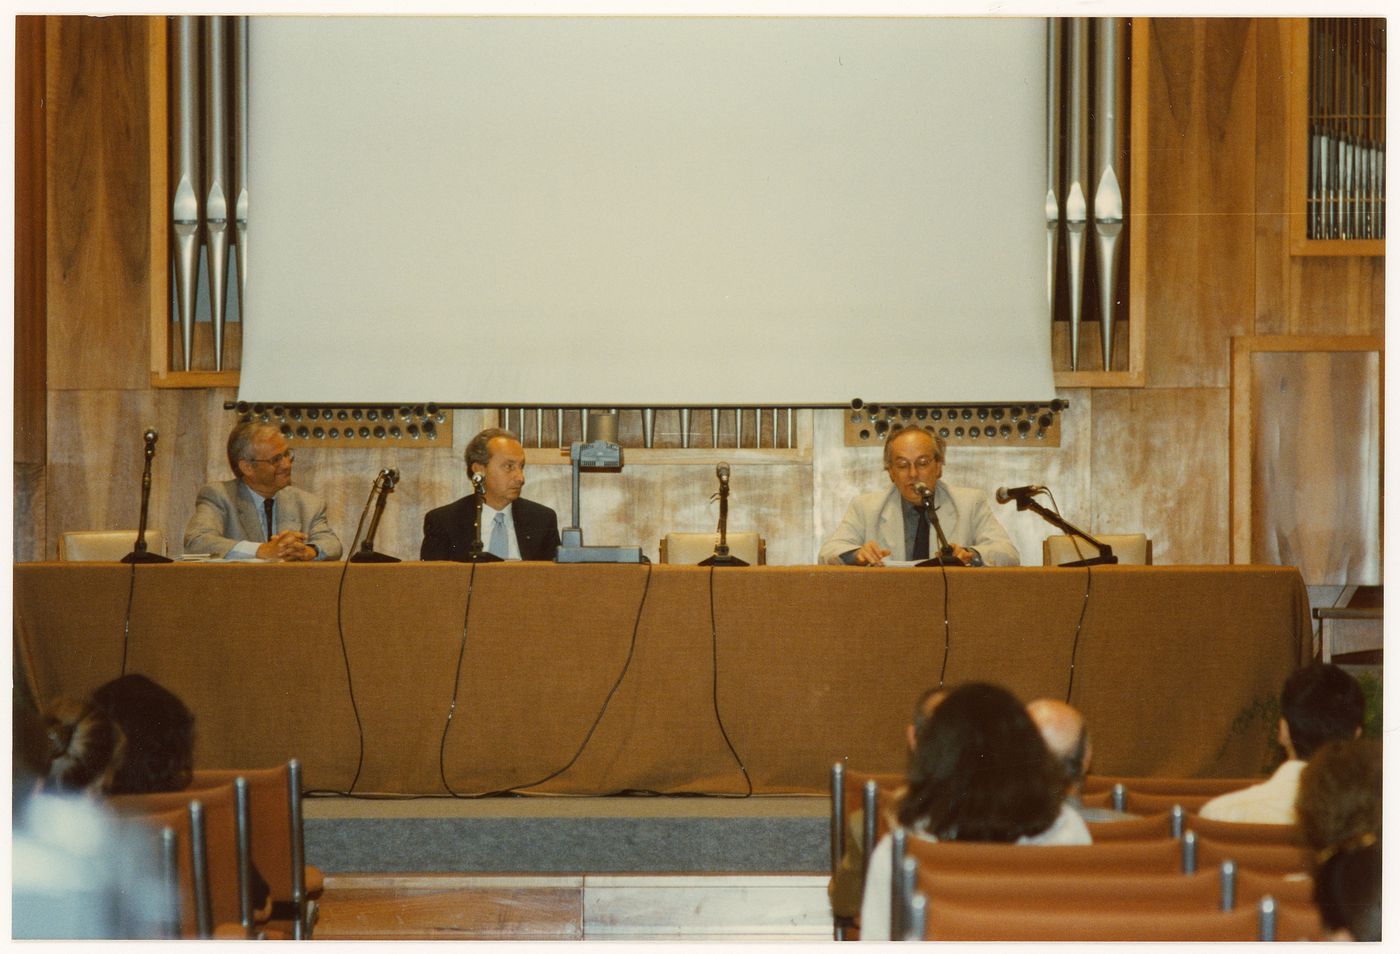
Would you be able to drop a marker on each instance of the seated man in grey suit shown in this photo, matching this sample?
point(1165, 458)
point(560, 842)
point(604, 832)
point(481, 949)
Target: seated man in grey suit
point(259, 514)
point(887, 522)
point(512, 527)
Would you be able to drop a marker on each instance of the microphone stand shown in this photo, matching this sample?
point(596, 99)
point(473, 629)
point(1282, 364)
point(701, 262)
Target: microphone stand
point(139, 553)
point(475, 552)
point(1105, 551)
point(945, 549)
point(722, 556)
point(384, 484)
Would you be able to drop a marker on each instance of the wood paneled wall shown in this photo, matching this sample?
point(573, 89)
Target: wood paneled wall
point(1154, 459)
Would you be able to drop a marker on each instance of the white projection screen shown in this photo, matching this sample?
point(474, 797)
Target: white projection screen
point(646, 211)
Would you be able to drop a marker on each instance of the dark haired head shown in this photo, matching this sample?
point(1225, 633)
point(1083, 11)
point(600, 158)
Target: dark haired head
point(479, 447)
point(980, 770)
point(1339, 796)
point(159, 731)
point(85, 746)
point(1347, 890)
point(1321, 702)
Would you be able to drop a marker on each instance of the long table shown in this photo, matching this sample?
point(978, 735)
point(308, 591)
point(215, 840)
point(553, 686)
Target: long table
point(609, 678)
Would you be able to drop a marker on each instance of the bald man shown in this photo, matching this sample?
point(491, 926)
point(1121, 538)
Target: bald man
point(1062, 727)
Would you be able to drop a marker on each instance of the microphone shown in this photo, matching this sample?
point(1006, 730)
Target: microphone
point(1008, 494)
point(476, 479)
point(150, 435)
point(382, 488)
point(139, 553)
point(722, 472)
point(922, 490)
point(390, 477)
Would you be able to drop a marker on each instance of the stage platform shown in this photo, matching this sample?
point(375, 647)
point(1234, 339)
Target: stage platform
point(552, 834)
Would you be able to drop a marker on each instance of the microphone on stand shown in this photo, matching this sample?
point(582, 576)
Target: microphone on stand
point(1018, 494)
point(476, 552)
point(722, 556)
point(945, 549)
point(139, 553)
point(383, 486)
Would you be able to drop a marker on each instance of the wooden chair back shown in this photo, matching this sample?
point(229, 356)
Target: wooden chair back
point(190, 890)
point(1121, 857)
point(957, 921)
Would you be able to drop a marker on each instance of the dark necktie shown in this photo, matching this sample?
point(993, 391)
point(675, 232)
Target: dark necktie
point(267, 509)
point(921, 537)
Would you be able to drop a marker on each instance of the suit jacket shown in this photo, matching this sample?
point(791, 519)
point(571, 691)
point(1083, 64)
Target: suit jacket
point(447, 531)
point(964, 513)
point(225, 513)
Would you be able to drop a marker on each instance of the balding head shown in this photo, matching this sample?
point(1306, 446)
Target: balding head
point(1062, 728)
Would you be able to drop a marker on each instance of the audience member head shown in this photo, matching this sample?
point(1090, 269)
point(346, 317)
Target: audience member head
point(1339, 796)
point(159, 730)
point(496, 465)
point(1062, 727)
point(928, 701)
point(259, 456)
point(980, 770)
point(85, 747)
point(1347, 890)
point(1320, 702)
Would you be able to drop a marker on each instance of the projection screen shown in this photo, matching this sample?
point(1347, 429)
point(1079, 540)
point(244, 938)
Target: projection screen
point(618, 211)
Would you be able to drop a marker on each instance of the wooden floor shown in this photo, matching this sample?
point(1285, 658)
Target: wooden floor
point(649, 906)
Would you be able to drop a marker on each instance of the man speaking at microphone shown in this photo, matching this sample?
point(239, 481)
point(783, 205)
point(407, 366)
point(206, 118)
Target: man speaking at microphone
point(259, 514)
point(512, 527)
point(885, 523)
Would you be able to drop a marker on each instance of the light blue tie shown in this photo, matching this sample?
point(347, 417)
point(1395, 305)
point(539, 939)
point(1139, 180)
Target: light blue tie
point(500, 544)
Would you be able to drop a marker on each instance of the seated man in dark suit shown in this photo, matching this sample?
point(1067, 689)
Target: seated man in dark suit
point(259, 514)
point(512, 527)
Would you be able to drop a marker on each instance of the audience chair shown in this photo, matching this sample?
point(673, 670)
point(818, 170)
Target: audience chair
point(1142, 803)
point(1118, 857)
point(851, 793)
point(1244, 833)
point(224, 845)
point(1166, 785)
point(275, 807)
point(1131, 549)
point(693, 547)
point(1263, 858)
point(954, 921)
point(1146, 828)
point(182, 846)
point(106, 545)
point(1089, 891)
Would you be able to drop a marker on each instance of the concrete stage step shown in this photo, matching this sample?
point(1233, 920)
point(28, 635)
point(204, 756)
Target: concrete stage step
point(554, 835)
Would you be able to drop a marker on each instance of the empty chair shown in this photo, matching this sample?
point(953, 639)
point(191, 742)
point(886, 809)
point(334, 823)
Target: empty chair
point(1145, 803)
point(223, 842)
point(1159, 891)
point(1162, 855)
point(1146, 828)
point(694, 547)
point(1130, 548)
point(277, 843)
point(1266, 858)
point(106, 545)
point(1244, 832)
point(955, 921)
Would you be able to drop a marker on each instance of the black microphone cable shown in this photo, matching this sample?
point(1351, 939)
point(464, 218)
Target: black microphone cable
point(1084, 607)
point(714, 695)
point(345, 652)
point(126, 620)
point(456, 682)
point(626, 665)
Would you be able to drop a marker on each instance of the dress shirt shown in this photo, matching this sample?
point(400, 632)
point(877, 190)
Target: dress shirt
point(488, 520)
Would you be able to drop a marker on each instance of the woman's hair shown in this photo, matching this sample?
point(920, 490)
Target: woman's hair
point(159, 731)
point(980, 770)
point(85, 747)
point(1339, 796)
point(1347, 889)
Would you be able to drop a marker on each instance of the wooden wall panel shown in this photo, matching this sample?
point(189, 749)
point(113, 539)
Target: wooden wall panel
point(98, 237)
point(1161, 466)
point(30, 273)
point(1200, 157)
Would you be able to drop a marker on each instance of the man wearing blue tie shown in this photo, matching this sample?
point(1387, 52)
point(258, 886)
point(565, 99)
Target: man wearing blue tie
point(512, 527)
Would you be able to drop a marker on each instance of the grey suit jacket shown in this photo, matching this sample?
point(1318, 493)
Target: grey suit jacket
point(964, 513)
point(225, 513)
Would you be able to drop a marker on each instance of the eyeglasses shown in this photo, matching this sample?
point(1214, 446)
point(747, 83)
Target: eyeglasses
point(275, 459)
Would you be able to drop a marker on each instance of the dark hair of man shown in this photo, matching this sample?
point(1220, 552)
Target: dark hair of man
point(940, 446)
point(479, 447)
point(1321, 702)
point(1339, 796)
point(980, 770)
point(159, 733)
point(1347, 891)
point(240, 442)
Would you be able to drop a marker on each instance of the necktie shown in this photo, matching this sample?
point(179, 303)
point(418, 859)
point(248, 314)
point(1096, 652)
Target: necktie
point(921, 539)
point(500, 544)
point(267, 509)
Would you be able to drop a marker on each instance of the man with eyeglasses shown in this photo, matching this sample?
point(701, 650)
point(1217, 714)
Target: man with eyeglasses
point(887, 524)
point(259, 514)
